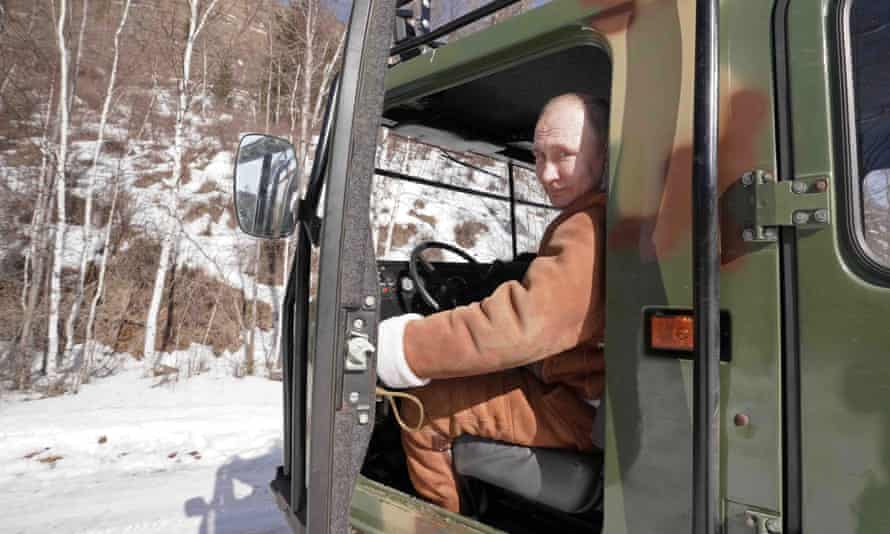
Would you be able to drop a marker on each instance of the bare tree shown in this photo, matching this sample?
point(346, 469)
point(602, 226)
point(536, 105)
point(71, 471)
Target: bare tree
point(315, 40)
point(293, 108)
point(278, 91)
point(55, 295)
point(250, 350)
point(19, 36)
point(88, 342)
point(197, 20)
point(88, 204)
point(269, 33)
point(35, 256)
point(75, 73)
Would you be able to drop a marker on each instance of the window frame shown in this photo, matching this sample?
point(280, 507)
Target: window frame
point(511, 200)
point(851, 207)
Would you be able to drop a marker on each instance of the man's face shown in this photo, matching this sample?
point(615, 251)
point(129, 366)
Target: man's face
point(568, 156)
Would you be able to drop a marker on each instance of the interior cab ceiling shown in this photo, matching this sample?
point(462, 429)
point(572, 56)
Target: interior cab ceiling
point(495, 115)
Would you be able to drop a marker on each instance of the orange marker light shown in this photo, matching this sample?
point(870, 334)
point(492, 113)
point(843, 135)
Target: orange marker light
point(671, 332)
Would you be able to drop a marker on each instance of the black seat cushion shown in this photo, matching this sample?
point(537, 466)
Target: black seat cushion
point(568, 481)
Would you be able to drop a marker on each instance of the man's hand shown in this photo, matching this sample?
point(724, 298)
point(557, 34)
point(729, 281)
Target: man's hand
point(392, 368)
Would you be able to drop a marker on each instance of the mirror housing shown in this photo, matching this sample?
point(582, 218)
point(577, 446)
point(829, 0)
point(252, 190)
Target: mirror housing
point(266, 186)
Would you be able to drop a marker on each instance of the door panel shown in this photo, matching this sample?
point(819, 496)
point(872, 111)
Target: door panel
point(649, 265)
point(843, 307)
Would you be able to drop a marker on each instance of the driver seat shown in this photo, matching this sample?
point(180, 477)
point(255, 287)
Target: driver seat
point(563, 480)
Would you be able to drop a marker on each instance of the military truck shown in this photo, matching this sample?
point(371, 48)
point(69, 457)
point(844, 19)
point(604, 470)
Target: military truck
point(748, 273)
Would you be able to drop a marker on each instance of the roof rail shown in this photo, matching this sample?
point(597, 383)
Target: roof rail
point(427, 37)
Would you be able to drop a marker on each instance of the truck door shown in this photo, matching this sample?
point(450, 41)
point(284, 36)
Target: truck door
point(838, 104)
point(329, 362)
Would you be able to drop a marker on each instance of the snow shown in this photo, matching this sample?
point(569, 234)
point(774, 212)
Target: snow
point(218, 171)
point(190, 456)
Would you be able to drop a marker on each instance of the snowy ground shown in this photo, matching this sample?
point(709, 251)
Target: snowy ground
point(128, 454)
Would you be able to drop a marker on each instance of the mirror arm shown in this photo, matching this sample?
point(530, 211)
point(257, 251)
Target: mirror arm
point(310, 221)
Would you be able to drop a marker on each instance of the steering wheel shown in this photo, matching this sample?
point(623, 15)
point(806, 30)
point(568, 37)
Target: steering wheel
point(430, 271)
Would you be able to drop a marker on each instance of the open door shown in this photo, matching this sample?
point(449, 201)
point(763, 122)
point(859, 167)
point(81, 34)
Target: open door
point(329, 370)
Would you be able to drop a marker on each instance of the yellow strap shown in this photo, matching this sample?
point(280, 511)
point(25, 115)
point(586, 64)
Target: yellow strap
point(391, 397)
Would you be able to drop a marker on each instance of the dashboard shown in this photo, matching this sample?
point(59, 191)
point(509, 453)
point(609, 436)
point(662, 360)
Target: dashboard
point(454, 284)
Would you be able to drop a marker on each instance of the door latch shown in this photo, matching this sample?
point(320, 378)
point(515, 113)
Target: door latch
point(358, 352)
point(800, 203)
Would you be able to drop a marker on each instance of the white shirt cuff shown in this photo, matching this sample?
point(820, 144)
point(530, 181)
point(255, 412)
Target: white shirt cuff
point(392, 367)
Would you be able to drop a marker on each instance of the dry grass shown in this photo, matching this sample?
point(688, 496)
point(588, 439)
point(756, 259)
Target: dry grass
point(149, 179)
point(429, 219)
point(467, 233)
point(215, 207)
point(211, 187)
point(185, 320)
point(75, 209)
point(402, 234)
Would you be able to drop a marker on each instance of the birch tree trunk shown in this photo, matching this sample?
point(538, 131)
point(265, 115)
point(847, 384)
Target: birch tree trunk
point(35, 257)
point(269, 84)
point(196, 24)
point(55, 296)
point(75, 73)
point(38, 218)
point(203, 81)
point(250, 353)
point(308, 68)
point(89, 343)
point(285, 274)
point(292, 105)
point(254, 309)
point(327, 74)
point(6, 77)
point(88, 205)
point(278, 93)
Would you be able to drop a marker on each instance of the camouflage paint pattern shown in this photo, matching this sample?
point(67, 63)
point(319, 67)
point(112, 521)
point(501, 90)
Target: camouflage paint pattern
point(379, 509)
point(846, 429)
point(649, 266)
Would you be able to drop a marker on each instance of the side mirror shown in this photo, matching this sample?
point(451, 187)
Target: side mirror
point(266, 186)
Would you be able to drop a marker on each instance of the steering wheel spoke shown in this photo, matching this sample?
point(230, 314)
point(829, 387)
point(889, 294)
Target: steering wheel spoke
point(428, 266)
point(430, 272)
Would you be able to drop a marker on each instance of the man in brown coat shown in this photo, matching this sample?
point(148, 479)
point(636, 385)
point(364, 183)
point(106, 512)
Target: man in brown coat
point(523, 365)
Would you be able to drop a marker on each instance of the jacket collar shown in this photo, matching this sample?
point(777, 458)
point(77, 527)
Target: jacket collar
point(582, 203)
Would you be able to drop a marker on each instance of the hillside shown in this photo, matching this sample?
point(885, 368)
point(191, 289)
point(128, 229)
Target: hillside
point(221, 289)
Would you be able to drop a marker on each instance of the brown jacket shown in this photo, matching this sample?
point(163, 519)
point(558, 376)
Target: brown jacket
point(553, 319)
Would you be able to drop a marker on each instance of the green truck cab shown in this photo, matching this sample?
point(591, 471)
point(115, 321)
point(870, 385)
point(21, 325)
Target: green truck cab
point(747, 255)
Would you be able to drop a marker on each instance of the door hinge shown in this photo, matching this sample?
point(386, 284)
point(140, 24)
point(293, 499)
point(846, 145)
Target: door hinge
point(742, 519)
point(761, 523)
point(801, 203)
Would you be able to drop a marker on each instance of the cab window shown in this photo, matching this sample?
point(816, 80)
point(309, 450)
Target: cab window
point(869, 27)
point(424, 192)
